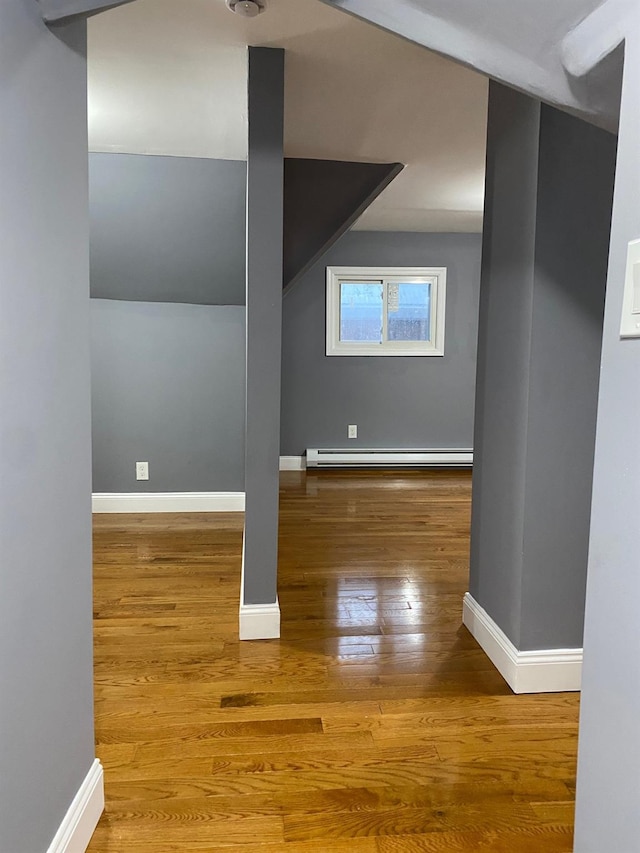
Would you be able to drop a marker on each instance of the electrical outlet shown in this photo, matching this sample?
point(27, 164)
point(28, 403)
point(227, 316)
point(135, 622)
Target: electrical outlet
point(142, 470)
point(353, 430)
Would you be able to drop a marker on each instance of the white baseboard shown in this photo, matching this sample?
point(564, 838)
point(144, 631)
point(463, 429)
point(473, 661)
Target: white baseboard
point(292, 463)
point(260, 621)
point(168, 502)
point(540, 671)
point(83, 815)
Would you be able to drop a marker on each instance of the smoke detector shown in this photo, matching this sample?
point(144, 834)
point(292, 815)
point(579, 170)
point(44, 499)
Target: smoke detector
point(247, 8)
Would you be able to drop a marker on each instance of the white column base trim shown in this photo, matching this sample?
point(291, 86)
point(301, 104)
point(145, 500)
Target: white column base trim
point(293, 463)
point(168, 502)
point(540, 671)
point(83, 815)
point(260, 621)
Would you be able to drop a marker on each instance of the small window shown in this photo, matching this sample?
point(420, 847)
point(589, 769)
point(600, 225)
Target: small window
point(385, 311)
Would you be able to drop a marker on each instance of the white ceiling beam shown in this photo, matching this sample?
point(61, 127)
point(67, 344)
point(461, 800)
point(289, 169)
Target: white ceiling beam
point(54, 11)
point(597, 36)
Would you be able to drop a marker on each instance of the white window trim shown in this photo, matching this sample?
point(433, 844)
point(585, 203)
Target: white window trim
point(434, 347)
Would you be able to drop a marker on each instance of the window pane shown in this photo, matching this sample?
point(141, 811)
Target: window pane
point(409, 312)
point(361, 312)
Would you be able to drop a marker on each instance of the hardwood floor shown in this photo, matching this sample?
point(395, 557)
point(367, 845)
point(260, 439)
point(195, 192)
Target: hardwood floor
point(375, 725)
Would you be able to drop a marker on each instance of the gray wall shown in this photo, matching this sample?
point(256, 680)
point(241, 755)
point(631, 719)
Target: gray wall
point(168, 378)
point(504, 343)
point(46, 692)
point(607, 813)
point(396, 402)
point(576, 176)
point(265, 178)
point(168, 389)
point(167, 229)
point(547, 216)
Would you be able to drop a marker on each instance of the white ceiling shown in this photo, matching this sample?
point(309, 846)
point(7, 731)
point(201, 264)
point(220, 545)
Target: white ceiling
point(169, 77)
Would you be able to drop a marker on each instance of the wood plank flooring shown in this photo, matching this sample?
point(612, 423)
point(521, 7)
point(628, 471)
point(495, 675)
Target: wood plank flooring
point(375, 725)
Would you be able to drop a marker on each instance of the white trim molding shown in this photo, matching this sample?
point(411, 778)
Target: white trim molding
point(540, 671)
point(292, 463)
point(83, 815)
point(168, 502)
point(260, 621)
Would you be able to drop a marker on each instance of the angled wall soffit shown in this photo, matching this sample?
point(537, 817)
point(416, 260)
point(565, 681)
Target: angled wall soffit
point(322, 200)
point(57, 11)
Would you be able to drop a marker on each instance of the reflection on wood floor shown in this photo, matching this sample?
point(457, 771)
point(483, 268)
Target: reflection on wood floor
point(375, 725)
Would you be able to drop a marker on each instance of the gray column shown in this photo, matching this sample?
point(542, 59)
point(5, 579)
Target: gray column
point(259, 614)
point(545, 246)
point(46, 689)
point(608, 808)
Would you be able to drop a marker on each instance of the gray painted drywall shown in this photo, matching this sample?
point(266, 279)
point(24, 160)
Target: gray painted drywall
point(396, 402)
point(322, 199)
point(575, 194)
point(46, 693)
point(264, 323)
point(168, 389)
point(547, 215)
point(607, 813)
point(504, 340)
point(167, 229)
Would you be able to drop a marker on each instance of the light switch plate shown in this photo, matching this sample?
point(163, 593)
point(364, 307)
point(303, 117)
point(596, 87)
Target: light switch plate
point(630, 323)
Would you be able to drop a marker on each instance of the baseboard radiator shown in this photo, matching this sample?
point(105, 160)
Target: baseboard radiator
point(378, 458)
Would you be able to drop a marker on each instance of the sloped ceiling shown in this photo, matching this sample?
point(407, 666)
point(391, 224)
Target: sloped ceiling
point(519, 42)
point(169, 77)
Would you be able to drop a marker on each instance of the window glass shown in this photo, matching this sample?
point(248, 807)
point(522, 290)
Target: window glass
point(361, 311)
point(409, 312)
point(385, 311)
